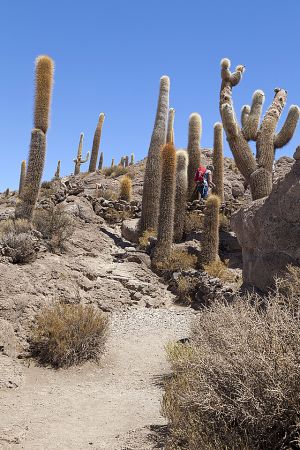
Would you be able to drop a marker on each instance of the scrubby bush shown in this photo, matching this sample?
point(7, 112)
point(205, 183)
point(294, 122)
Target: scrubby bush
point(18, 241)
point(185, 288)
point(67, 334)
point(55, 225)
point(126, 189)
point(106, 193)
point(236, 384)
point(178, 260)
point(193, 221)
point(145, 238)
point(220, 270)
point(115, 171)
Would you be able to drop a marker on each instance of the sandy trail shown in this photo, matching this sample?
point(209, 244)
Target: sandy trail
point(105, 407)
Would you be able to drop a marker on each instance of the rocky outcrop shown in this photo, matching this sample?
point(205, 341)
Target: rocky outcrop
point(269, 231)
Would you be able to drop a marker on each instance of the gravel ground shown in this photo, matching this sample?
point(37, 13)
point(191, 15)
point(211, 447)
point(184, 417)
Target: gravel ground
point(111, 406)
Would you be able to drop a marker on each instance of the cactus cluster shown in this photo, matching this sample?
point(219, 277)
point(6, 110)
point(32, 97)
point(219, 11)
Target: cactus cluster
point(44, 70)
point(257, 171)
point(78, 161)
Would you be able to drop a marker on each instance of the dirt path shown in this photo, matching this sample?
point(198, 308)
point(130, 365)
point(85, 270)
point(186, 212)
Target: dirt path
point(106, 407)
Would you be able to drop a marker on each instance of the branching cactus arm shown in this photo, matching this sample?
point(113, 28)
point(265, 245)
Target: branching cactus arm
point(245, 114)
point(265, 135)
point(251, 123)
point(287, 131)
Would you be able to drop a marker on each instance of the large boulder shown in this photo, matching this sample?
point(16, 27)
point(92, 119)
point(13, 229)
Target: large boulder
point(269, 231)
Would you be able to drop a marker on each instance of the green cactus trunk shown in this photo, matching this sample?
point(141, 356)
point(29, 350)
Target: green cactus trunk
point(194, 153)
point(163, 248)
point(100, 167)
point(22, 177)
point(96, 143)
point(218, 162)
point(210, 243)
point(152, 177)
point(181, 193)
point(43, 92)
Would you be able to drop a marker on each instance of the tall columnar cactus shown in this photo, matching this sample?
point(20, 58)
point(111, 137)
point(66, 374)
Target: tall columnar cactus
point(181, 193)
point(152, 177)
point(112, 162)
point(170, 130)
point(131, 159)
point(126, 161)
point(100, 166)
point(193, 149)
point(44, 69)
point(57, 172)
point(96, 143)
point(256, 171)
point(126, 189)
point(210, 244)
point(22, 177)
point(165, 230)
point(78, 161)
point(218, 162)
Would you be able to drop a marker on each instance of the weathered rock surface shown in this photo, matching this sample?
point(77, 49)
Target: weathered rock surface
point(269, 231)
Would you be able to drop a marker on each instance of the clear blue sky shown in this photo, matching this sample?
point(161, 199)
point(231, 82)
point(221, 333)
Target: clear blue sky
point(109, 56)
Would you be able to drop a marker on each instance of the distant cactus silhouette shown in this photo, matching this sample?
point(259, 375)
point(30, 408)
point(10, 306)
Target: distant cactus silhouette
point(218, 162)
point(170, 129)
point(126, 161)
point(6, 192)
point(126, 188)
point(112, 163)
point(257, 171)
point(181, 193)
point(96, 143)
point(57, 172)
point(210, 244)
point(22, 177)
point(100, 167)
point(152, 177)
point(131, 159)
point(44, 69)
point(78, 161)
point(165, 229)
point(193, 149)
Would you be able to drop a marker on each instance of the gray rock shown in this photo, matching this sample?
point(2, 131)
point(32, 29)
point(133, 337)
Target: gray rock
point(130, 230)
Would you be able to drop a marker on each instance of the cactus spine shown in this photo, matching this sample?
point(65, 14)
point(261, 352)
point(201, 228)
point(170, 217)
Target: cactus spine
point(170, 130)
point(78, 161)
point(126, 189)
point(193, 149)
point(163, 246)
point(131, 159)
point(22, 177)
point(210, 244)
point(152, 177)
point(181, 193)
point(100, 167)
point(256, 171)
point(218, 162)
point(96, 143)
point(44, 69)
point(57, 172)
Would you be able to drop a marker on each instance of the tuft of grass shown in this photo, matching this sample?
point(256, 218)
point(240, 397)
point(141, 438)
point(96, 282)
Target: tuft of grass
point(68, 334)
point(220, 270)
point(179, 260)
point(236, 384)
point(185, 288)
point(107, 194)
point(193, 221)
point(115, 171)
point(144, 239)
point(126, 189)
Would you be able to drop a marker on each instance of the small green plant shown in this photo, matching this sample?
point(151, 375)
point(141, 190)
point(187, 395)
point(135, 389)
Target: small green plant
point(68, 334)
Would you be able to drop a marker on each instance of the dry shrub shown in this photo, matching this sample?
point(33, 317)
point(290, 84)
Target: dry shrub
point(220, 270)
point(144, 239)
point(185, 288)
point(18, 241)
point(116, 216)
point(67, 334)
point(179, 260)
point(55, 225)
point(106, 193)
point(193, 221)
point(115, 171)
point(236, 385)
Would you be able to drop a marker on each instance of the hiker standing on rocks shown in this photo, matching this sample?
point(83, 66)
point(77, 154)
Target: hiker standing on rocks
point(203, 180)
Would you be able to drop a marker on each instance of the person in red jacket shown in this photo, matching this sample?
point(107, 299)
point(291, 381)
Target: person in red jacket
point(203, 180)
